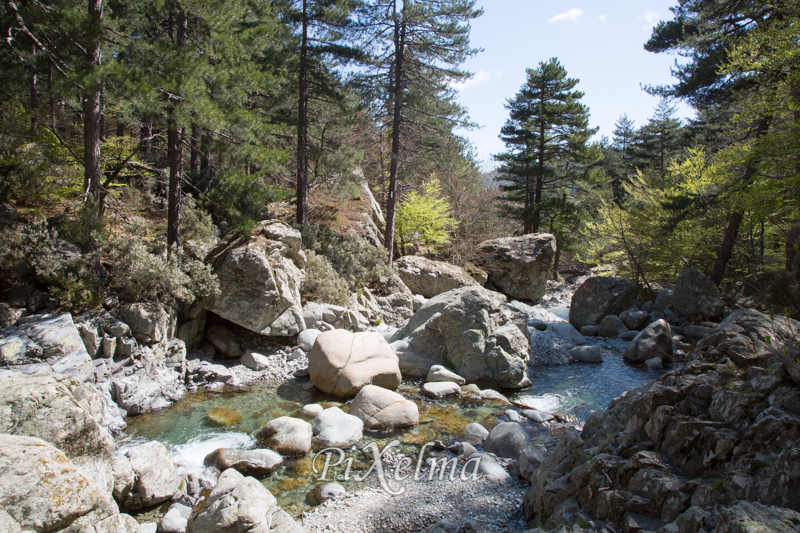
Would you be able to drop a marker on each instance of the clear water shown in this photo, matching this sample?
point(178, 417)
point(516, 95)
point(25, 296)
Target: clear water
point(581, 389)
point(576, 389)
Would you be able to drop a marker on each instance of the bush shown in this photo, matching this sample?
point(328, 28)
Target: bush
point(196, 223)
point(33, 252)
point(156, 275)
point(322, 283)
point(352, 257)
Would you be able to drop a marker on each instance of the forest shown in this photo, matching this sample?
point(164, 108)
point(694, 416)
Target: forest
point(142, 131)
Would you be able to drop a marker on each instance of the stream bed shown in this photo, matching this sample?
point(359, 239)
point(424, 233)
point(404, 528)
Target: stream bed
point(573, 389)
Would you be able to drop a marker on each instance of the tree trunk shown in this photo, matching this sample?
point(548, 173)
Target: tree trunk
point(92, 112)
point(194, 143)
point(537, 193)
point(729, 238)
point(302, 125)
point(175, 152)
point(557, 257)
point(34, 96)
point(397, 93)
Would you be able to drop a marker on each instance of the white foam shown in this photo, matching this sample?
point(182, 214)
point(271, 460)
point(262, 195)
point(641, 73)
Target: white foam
point(189, 457)
point(546, 402)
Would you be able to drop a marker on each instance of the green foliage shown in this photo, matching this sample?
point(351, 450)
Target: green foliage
point(322, 283)
point(352, 257)
point(425, 218)
point(243, 200)
point(155, 274)
point(35, 167)
point(196, 223)
point(33, 252)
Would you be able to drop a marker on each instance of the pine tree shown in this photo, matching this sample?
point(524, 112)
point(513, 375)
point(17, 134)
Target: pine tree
point(546, 133)
point(322, 31)
point(658, 141)
point(416, 48)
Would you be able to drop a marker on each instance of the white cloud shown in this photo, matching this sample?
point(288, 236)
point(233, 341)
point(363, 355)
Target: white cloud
point(650, 18)
point(572, 15)
point(480, 77)
point(601, 17)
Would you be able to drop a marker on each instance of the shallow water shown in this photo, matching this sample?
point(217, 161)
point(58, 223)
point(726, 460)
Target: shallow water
point(581, 389)
point(577, 389)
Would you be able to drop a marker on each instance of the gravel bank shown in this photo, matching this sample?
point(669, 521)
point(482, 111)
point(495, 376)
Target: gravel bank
point(490, 507)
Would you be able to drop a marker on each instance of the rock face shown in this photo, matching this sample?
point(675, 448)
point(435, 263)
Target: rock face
point(46, 344)
point(383, 409)
point(288, 436)
point(473, 329)
point(749, 336)
point(430, 278)
point(599, 297)
point(149, 323)
point(236, 505)
point(341, 363)
point(519, 266)
point(260, 280)
point(139, 392)
point(335, 428)
point(62, 411)
point(696, 295)
point(41, 490)
point(712, 445)
point(654, 341)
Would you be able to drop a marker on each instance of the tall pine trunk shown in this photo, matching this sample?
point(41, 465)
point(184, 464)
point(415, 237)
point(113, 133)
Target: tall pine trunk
point(194, 145)
point(92, 110)
point(175, 152)
point(397, 93)
point(731, 232)
point(302, 125)
point(537, 193)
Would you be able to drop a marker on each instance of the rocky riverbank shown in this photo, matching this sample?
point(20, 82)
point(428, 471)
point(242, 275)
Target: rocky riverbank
point(711, 444)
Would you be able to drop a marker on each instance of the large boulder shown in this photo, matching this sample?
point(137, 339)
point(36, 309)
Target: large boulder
point(153, 473)
point(288, 436)
point(248, 462)
point(599, 297)
point(654, 341)
point(383, 409)
point(429, 278)
point(62, 411)
point(507, 439)
point(237, 504)
point(42, 490)
point(46, 344)
point(474, 330)
point(341, 363)
point(259, 280)
point(696, 295)
point(753, 517)
point(519, 266)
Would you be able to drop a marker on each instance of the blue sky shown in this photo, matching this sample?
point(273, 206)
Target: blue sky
point(601, 43)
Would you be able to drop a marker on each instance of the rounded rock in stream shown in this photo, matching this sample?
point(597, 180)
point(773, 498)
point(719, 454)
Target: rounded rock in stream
point(383, 409)
point(440, 389)
point(506, 439)
point(288, 436)
point(333, 428)
point(246, 462)
point(325, 492)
